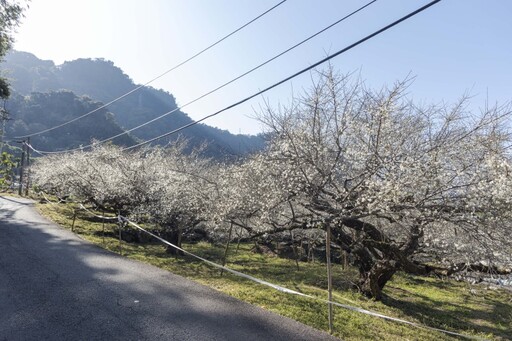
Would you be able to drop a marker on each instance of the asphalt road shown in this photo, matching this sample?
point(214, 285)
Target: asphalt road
point(55, 286)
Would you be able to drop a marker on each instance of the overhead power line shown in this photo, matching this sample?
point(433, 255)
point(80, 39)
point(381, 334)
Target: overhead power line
point(219, 87)
point(385, 28)
point(156, 78)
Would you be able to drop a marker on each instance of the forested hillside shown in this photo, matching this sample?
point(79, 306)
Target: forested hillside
point(101, 81)
point(39, 111)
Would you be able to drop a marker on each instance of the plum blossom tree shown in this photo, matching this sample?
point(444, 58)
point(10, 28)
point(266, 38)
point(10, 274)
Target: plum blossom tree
point(106, 177)
point(165, 187)
point(386, 176)
point(185, 182)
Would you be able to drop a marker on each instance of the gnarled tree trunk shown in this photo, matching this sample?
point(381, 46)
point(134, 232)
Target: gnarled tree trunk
point(376, 256)
point(174, 237)
point(372, 282)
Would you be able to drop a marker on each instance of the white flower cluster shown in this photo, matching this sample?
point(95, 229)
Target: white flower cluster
point(341, 152)
point(154, 183)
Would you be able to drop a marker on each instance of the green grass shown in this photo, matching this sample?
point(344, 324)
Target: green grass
point(9, 193)
point(445, 304)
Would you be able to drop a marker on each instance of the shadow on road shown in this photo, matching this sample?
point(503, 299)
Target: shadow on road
point(53, 285)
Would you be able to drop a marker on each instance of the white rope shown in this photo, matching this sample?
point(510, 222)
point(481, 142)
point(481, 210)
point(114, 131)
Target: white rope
point(83, 208)
point(47, 200)
point(272, 285)
point(293, 292)
point(96, 215)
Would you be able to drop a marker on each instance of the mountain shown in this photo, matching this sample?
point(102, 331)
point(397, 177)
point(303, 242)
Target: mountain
point(99, 80)
point(39, 111)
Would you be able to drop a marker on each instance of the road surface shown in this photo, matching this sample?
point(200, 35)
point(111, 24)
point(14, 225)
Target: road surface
point(55, 286)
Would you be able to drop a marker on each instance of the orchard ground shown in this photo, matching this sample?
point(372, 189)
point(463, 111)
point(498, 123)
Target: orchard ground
point(476, 310)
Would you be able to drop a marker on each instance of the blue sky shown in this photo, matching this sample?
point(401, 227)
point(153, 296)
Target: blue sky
point(452, 48)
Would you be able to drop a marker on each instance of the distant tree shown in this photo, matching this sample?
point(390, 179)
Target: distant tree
point(102, 81)
point(164, 187)
point(183, 183)
point(39, 111)
point(7, 165)
point(11, 12)
point(105, 177)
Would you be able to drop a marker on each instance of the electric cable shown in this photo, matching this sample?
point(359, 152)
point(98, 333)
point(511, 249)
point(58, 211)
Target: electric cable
point(219, 87)
point(385, 28)
point(154, 79)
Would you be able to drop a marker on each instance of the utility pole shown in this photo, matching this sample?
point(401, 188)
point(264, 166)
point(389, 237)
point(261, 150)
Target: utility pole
point(27, 146)
point(22, 161)
point(4, 116)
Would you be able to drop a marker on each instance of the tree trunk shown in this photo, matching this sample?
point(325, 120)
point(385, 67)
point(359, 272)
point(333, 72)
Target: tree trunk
point(372, 282)
point(376, 256)
point(174, 237)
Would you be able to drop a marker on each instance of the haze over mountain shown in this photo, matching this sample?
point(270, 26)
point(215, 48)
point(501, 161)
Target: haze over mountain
point(38, 111)
point(46, 94)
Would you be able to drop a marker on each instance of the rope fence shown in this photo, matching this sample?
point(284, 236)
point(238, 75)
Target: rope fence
point(121, 219)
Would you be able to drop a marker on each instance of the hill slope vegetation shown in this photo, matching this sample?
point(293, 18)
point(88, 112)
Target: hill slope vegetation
point(100, 80)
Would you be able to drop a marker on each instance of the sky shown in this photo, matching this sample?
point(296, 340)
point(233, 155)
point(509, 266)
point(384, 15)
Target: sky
point(452, 48)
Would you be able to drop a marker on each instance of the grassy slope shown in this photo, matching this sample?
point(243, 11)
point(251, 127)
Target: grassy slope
point(445, 304)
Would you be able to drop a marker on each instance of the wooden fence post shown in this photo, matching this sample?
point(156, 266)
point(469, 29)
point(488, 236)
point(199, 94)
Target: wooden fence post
point(329, 274)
